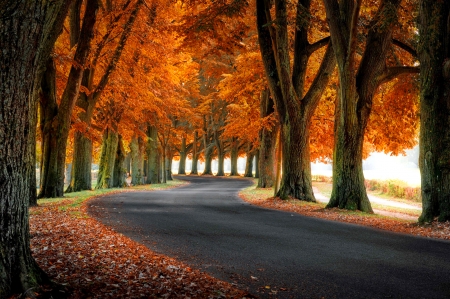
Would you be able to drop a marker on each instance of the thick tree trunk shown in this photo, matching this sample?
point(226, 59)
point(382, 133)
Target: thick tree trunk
point(50, 178)
point(82, 164)
point(294, 105)
point(28, 30)
point(267, 145)
point(152, 154)
point(137, 161)
point(119, 165)
point(208, 160)
point(168, 164)
point(234, 157)
point(356, 94)
point(60, 124)
point(194, 168)
point(81, 178)
point(434, 141)
point(221, 161)
point(107, 159)
point(183, 154)
point(249, 163)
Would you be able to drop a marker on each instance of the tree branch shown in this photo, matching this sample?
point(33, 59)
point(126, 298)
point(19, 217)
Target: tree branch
point(405, 47)
point(393, 72)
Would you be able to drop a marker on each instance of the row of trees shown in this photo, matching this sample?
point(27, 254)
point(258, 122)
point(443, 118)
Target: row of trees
point(161, 79)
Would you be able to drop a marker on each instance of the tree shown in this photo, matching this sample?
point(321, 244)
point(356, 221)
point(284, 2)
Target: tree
point(358, 84)
point(28, 30)
point(95, 81)
point(55, 118)
point(295, 105)
point(434, 56)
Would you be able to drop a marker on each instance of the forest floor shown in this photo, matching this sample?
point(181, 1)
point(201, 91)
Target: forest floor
point(91, 260)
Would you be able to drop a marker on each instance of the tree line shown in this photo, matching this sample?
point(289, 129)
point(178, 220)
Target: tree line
point(154, 80)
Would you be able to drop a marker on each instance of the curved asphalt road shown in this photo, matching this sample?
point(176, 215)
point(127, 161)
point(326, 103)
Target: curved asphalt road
point(205, 225)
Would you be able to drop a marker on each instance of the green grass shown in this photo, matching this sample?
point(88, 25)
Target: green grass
point(74, 200)
point(325, 188)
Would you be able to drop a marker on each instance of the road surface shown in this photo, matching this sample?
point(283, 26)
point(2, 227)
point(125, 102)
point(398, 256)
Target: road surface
point(275, 254)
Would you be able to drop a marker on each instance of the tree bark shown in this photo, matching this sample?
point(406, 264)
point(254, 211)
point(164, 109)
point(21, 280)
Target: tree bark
point(183, 154)
point(169, 164)
point(208, 160)
point(357, 88)
point(234, 157)
point(119, 165)
point(267, 145)
point(434, 56)
point(82, 164)
point(195, 154)
point(81, 178)
point(152, 154)
point(249, 162)
point(295, 107)
point(28, 30)
point(137, 160)
point(58, 125)
point(107, 159)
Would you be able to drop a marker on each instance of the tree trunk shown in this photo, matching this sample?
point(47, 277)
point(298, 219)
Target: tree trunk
point(194, 168)
point(183, 154)
point(137, 162)
point(221, 161)
point(81, 164)
point(208, 160)
point(267, 145)
point(58, 126)
point(294, 105)
point(128, 163)
point(28, 31)
point(107, 159)
point(50, 178)
point(234, 157)
point(152, 154)
point(119, 165)
point(81, 178)
point(249, 163)
point(357, 88)
point(257, 164)
point(169, 165)
point(434, 141)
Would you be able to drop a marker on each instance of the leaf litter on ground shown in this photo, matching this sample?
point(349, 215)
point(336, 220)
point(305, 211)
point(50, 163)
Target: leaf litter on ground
point(93, 261)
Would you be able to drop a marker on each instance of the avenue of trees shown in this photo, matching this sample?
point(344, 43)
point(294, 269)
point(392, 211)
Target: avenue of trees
point(132, 85)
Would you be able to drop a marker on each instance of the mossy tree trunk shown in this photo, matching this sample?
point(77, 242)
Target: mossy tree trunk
point(81, 178)
point(434, 160)
point(119, 165)
point(57, 121)
point(209, 151)
point(234, 155)
point(183, 154)
point(168, 163)
point(152, 155)
point(249, 162)
point(137, 160)
point(358, 85)
point(294, 105)
point(195, 154)
point(107, 159)
point(82, 161)
point(267, 144)
point(28, 30)
point(220, 146)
